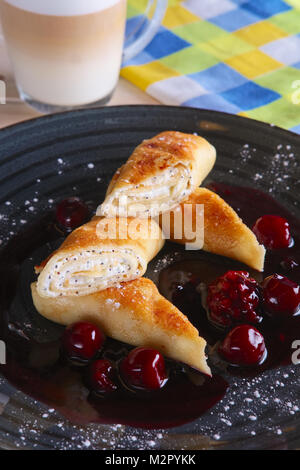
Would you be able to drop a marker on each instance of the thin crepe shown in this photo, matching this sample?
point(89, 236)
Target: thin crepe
point(160, 173)
point(87, 262)
point(224, 232)
point(134, 313)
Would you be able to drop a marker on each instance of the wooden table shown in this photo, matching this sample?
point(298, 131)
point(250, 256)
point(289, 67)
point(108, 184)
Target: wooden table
point(15, 110)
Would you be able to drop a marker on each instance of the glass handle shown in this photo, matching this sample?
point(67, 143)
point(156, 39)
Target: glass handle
point(144, 35)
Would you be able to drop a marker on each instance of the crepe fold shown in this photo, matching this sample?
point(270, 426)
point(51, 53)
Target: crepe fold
point(224, 232)
point(99, 254)
point(134, 313)
point(159, 174)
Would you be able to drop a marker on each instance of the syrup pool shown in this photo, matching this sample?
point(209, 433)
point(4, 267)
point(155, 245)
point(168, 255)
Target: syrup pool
point(34, 361)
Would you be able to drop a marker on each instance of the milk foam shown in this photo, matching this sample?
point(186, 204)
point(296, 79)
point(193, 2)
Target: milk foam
point(63, 7)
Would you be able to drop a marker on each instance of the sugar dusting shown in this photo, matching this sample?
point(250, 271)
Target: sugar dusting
point(247, 409)
point(164, 261)
point(35, 204)
point(280, 169)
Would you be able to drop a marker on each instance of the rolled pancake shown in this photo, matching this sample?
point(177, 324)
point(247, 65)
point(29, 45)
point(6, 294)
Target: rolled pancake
point(224, 231)
point(87, 262)
point(134, 313)
point(160, 173)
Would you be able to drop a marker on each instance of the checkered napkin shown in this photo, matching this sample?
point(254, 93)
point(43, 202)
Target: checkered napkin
point(236, 56)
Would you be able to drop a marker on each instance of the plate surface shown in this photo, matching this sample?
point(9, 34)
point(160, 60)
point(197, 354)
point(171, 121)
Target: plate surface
point(45, 160)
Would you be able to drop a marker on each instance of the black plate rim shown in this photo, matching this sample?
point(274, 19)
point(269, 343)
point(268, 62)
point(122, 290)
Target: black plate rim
point(233, 117)
point(232, 120)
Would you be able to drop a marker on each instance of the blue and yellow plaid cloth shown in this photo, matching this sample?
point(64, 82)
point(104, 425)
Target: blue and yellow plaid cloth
point(236, 56)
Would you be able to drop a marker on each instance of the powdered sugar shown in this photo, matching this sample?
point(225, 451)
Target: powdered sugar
point(279, 170)
point(247, 410)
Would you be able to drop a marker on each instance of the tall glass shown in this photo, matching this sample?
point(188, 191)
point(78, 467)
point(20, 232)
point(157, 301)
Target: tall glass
point(67, 53)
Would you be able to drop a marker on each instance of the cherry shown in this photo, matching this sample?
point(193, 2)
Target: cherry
point(82, 340)
point(233, 298)
point(281, 296)
point(71, 213)
point(144, 368)
point(273, 232)
point(243, 346)
point(101, 376)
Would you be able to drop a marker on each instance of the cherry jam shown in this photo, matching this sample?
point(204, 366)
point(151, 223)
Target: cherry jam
point(273, 232)
point(144, 368)
point(82, 340)
point(37, 367)
point(279, 331)
point(281, 296)
point(243, 346)
point(71, 213)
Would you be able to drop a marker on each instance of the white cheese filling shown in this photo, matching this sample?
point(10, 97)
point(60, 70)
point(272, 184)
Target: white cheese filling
point(89, 271)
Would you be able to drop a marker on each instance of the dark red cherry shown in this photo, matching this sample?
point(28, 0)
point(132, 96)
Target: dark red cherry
point(273, 232)
point(281, 296)
point(102, 376)
point(82, 340)
point(233, 298)
point(144, 368)
point(71, 213)
point(243, 346)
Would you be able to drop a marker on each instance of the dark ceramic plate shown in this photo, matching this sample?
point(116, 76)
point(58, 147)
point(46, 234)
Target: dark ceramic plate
point(45, 160)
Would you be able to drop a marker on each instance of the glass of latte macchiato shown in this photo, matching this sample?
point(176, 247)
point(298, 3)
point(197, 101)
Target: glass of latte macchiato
point(68, 53)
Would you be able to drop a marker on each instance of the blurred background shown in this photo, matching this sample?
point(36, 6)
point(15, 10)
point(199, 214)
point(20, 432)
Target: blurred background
point(236, 56)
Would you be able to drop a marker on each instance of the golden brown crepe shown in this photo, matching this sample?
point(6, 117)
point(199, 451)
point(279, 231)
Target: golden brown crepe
point(134, 313)
point(87, 262)
point(224, 232)
point(160, 173)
